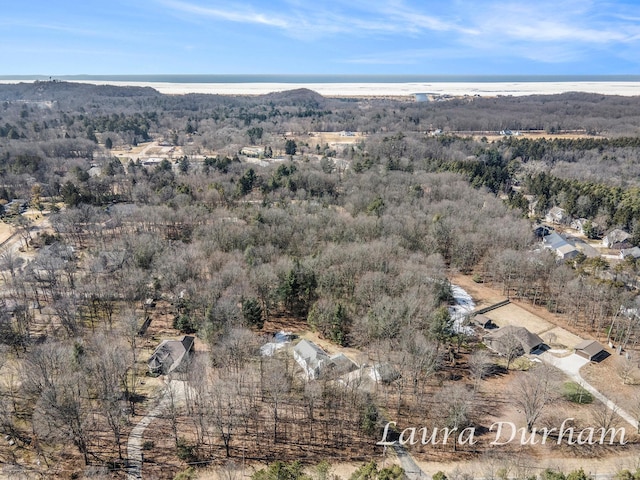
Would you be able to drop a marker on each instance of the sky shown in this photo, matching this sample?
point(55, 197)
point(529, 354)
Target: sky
point(444, 37)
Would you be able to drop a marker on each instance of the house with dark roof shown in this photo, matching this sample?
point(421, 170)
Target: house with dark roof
point(503, 340)
point(591, 350)
point(170, 355)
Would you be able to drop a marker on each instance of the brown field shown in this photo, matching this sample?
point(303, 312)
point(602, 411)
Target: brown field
point(537, 135)
point(331, 138)
point(5, 232)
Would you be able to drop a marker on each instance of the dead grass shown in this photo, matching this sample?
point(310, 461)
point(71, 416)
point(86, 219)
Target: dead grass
point(5, 232)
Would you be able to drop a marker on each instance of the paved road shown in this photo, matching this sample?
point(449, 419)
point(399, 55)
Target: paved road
point(411, 469)
point(134, 444)
point(571, 366)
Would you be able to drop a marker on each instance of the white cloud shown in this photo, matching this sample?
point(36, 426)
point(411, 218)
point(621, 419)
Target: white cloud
point(313, 20)
point(238, 15)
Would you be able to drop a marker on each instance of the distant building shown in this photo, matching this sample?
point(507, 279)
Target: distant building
point(563, 249)
point(617, 239)
point(558, 216)
point(630, 252)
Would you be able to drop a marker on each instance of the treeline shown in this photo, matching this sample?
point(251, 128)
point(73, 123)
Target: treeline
point(356, 246)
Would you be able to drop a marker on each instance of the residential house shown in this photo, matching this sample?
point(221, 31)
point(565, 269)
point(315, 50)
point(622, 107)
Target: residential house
point(16, 207)
point(560, 246)
point(591, 350)
point(558, 216)
point(310, 357)
point(630, 252)
point(533, 204)
point(316, 362)
point(617, 239)
point(503, 340)
point(579, 225)
point(170, 355)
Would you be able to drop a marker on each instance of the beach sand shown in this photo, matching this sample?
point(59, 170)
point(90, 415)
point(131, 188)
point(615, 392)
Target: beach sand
point(483, 89)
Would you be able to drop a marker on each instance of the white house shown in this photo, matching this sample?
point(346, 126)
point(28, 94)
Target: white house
point(560, 246)
point(316, 362)
point(557, 215)
point(310, 357)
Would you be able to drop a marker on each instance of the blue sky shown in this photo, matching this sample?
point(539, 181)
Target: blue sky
point(66, 37)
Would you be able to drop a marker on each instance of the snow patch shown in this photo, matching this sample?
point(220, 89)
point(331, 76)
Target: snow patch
point(459, 312)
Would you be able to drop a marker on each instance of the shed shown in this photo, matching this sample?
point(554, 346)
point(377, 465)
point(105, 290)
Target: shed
point(483, 321)
point(591, 350)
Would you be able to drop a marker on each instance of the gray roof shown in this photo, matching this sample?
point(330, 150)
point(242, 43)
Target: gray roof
point(590, 347)
point(340, 364)
point(529, 341)
point(169, 355)
point(560, 245)
point(317, 361)
point(310, 351)
point(633, 252)
point(310, 356)
point(554, 240)
point(616, 236)
point(482, 320)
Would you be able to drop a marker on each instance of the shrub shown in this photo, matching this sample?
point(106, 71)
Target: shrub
point(576, 393)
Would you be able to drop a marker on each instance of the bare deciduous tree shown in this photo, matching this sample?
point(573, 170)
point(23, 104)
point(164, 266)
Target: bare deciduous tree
point(480, 365)
point(533, 391)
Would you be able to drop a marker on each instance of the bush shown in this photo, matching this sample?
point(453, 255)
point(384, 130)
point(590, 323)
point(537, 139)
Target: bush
point(549, 474)
point(576, 393)
point(439, 476)
point(184, 324)
point(281, 471)
point(186, 451)
point(188, 474)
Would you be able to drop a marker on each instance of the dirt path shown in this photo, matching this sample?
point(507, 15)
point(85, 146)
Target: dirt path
point(174, 391)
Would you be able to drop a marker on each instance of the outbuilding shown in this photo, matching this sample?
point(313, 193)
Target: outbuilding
point(591, 350)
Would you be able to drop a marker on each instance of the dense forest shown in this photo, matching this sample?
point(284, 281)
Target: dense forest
point(355, 242)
